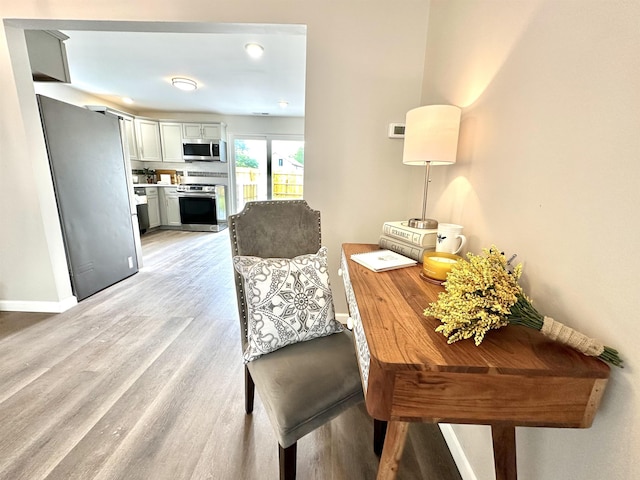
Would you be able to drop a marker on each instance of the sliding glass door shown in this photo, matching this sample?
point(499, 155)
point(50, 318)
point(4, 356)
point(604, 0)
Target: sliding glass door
point(267, 168)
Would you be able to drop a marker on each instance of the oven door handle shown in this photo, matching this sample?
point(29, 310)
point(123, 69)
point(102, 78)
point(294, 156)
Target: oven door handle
point(196, 195)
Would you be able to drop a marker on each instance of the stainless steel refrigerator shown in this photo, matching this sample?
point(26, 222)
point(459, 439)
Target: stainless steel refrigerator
point(88, 168)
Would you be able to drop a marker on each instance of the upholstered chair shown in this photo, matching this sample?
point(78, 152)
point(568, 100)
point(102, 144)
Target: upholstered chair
point(305, 384)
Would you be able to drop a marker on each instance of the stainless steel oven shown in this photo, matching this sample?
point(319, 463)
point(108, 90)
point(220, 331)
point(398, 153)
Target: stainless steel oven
point(202, 207)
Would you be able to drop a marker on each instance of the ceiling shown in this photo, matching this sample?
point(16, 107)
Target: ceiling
point(140, 65)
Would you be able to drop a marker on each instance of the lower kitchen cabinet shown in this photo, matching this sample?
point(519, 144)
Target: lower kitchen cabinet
point(169, 207)
point(154, 206)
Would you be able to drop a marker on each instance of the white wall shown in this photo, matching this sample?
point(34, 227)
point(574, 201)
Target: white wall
point(238, 123)
point(548, 168)
point(33, 271)
point(364, 70)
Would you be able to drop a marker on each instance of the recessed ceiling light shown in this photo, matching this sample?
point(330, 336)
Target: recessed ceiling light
point(185, 84)
point(283, 103)
point(127, 100)
point(254, 50)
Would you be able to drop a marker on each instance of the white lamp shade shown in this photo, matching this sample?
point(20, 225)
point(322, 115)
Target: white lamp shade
point(431, 135)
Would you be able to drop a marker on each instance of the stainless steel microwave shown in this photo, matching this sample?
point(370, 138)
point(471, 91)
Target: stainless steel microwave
point(199, 150)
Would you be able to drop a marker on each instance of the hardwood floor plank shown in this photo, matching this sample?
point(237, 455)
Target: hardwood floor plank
point(29, 350)
point(71, 396)
point(140, 420)
point(11, 322)
point(164, 432)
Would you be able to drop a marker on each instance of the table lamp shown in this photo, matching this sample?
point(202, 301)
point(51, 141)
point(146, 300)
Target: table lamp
point(430, 138)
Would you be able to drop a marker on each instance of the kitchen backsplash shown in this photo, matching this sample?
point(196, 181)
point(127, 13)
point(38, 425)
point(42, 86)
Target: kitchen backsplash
point(149, 175)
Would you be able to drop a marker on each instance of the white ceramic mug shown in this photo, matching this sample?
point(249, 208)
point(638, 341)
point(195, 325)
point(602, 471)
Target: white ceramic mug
point(450, 238)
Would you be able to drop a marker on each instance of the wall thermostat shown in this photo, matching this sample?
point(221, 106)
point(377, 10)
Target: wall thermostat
point(396, 130)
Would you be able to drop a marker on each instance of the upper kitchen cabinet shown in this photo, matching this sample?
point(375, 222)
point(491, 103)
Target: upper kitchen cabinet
point(171, 139)
point(148, 137)
point(130, 133)
point(47, 55)
point(211, 131)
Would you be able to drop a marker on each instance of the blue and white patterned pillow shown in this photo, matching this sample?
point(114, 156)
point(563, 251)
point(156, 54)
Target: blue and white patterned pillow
point(288, 301)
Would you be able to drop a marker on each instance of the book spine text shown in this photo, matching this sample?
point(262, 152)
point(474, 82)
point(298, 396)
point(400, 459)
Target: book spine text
point(409, 236)
point(411, 251)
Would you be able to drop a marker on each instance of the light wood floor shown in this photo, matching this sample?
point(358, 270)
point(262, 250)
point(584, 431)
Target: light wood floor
point(144, 380)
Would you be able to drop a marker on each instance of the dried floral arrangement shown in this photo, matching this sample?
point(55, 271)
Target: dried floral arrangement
point(482, 293)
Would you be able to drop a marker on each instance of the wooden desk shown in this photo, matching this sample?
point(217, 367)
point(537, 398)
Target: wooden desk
point(409, 372)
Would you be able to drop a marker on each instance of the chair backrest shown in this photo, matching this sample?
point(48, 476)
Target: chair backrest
point(272, 229)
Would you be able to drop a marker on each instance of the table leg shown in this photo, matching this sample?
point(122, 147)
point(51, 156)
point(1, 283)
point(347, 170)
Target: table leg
point(504, 452)
point(392, 450)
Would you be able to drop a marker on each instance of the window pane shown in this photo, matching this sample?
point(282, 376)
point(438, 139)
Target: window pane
point(267, 169)
point(251, 170)
point(287, 169)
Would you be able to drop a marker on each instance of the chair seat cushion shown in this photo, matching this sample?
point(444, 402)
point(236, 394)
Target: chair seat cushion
point(288, 301)
point(304, 385)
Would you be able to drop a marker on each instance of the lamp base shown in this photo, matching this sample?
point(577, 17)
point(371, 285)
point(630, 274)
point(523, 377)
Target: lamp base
point(423, 223)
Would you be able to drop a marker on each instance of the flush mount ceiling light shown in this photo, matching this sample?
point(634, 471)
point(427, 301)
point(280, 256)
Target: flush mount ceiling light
point(254, 50)
point(185, 84)
point(283, 103)
point(127, 100)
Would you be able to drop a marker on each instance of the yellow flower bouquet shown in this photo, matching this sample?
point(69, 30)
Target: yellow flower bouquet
point(482, 293)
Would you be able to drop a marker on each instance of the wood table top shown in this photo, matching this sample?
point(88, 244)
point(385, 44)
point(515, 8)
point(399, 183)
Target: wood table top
point(400, 337)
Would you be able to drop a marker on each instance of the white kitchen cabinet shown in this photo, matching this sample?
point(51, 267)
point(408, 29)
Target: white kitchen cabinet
point(173, 211)
point(148, 136)
point(193, 131)
point(153, 203)
point(130, 133)
point(47, 55)
point(211, 131)
point(169, 207)
point(171, 140)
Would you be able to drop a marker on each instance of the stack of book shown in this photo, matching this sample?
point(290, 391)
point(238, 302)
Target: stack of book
point(408, 241)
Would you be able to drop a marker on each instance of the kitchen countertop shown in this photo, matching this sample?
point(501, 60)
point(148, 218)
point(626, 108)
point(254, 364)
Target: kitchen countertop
point(136, 185)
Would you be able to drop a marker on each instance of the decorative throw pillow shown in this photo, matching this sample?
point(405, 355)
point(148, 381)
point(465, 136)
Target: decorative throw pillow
point(288, 301)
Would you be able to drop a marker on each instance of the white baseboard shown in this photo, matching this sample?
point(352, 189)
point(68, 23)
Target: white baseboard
point(342, 318)
point(464, 467)
point(35, 306)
